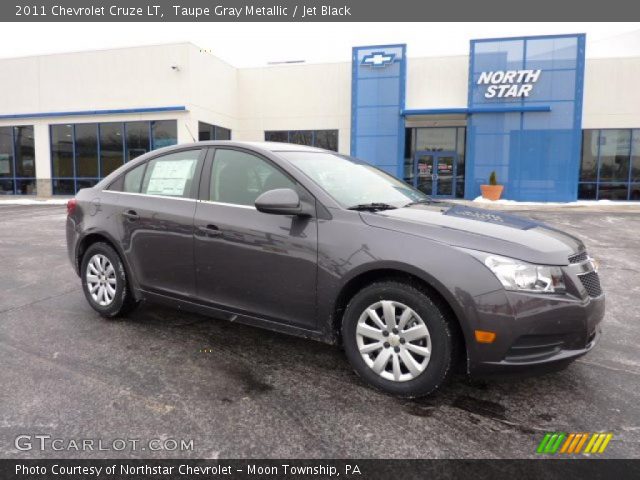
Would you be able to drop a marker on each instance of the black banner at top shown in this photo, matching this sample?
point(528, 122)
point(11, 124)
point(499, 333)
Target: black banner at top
point(313, 10)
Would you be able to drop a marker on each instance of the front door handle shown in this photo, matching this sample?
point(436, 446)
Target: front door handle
point(210, 230)
point(131, 214)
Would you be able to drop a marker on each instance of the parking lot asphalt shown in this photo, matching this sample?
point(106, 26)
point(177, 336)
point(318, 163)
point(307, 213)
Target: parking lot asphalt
point(242, 392)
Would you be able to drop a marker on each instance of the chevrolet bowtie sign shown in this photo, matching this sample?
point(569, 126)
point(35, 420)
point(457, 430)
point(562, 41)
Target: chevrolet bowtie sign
point(378, 59)
point(509, 83)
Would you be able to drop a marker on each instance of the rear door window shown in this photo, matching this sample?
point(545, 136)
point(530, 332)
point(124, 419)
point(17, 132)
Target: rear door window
point(170, 175)
point(133, 179)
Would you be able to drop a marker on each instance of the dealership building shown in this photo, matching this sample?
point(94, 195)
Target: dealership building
point(553, 124)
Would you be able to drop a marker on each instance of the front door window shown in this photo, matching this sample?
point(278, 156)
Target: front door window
point(238, 178)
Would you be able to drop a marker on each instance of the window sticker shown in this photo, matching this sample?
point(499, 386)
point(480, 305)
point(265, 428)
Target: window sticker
point(169, 177)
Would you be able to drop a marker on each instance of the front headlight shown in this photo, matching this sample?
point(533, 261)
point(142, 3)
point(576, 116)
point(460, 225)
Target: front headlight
point(522, 276)
point(518, 275)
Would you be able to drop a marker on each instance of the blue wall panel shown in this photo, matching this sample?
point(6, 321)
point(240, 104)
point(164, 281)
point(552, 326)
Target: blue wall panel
point(536, 155)
point(377, 97)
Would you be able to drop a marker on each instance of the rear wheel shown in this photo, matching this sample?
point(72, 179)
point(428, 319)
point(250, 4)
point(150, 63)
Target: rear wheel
point(104, 281)
point(398, 339)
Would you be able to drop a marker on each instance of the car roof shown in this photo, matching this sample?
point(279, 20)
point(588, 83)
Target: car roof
point(269, 146)
point(258, 147)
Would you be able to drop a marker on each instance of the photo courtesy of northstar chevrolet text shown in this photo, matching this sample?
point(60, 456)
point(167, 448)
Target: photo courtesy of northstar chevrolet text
point(309, 240)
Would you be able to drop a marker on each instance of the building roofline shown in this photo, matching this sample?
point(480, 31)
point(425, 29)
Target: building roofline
point(107, 49)
point(189, 43)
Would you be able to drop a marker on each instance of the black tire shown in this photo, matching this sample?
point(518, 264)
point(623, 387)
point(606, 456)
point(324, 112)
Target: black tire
point(444, 345)
point(123, 301)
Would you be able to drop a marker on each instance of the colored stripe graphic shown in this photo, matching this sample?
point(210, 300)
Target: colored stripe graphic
point(584, 439)
point(606, 442)
point(543, 443)
point(598, 443)
point(569, 441)
point(550, 443)
point(594, 437)
point(554, 448)
point(572, 443)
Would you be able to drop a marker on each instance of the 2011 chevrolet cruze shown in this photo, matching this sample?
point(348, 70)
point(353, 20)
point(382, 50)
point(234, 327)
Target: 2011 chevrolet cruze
point(313, 243)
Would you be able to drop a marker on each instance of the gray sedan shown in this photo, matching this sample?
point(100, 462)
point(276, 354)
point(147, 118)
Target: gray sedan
point(313, 243)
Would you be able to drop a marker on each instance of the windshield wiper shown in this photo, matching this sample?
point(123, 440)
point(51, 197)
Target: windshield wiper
point(372, 207)
point(425, 201)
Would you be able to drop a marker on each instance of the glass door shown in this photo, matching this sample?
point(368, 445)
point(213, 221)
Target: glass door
point(435, 173)
point(445, 175)
point(424, 172)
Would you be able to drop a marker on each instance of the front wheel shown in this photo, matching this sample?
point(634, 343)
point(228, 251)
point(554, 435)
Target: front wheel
point(398, 339)
point(104, 281)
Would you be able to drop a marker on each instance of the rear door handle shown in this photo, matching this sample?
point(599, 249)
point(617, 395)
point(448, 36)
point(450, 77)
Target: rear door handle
point(210, 230)
point(131, 214)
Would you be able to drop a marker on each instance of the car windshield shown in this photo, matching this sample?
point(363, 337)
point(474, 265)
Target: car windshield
point(353, 183)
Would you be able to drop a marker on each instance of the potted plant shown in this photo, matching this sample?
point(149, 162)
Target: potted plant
point(493, 191)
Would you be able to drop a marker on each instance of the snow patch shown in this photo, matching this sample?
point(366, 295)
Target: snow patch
point(504, 201)
point(33, 201)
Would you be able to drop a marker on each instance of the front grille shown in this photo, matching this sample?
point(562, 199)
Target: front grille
point(591, 282)
point(578, 257)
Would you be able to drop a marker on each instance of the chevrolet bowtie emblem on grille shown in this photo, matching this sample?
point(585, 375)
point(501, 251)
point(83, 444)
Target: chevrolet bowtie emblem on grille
point(378, 59)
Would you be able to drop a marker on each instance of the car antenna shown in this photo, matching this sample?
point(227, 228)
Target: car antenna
point(190, 134)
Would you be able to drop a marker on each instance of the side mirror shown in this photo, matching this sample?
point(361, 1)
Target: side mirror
point(281, 201)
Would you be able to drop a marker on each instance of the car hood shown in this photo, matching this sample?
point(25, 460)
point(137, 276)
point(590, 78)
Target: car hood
point(479, 229)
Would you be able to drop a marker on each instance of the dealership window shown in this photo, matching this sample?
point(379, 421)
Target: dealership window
point(83, 153)
point(163, 133)
point(17, 161)
point(86, 155)
point(207, 131)
point(111, 147)
point(447, 144)
point(610, 168)
point(327, 139)
point(138, 139)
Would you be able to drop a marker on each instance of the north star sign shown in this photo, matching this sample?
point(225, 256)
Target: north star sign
point(509, 83)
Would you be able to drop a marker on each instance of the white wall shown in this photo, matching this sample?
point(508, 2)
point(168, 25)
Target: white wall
point(612, 93)
point(120, 78)
point(304, 97)
point(437, 82)
point(212, 90)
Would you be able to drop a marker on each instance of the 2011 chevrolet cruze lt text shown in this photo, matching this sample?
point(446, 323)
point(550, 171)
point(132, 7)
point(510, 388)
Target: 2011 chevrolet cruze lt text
point(313, 243)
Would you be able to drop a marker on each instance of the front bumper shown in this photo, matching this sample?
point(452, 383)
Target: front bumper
point(535, 333)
